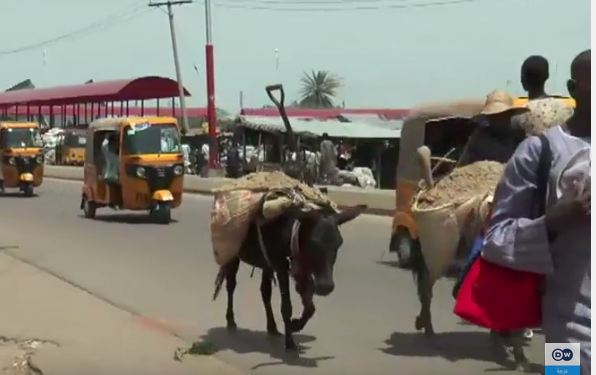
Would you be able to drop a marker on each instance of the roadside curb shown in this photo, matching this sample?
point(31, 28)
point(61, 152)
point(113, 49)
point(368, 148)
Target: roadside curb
point(379, 202)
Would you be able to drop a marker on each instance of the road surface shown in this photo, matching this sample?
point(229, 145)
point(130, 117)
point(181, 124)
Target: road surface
point(166, 274)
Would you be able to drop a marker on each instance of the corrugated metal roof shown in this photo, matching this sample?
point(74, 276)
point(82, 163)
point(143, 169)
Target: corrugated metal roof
point(373, 120)
point(335, 129)
point(326, 113)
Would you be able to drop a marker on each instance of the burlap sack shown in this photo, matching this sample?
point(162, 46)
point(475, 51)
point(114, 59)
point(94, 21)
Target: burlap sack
point(231, 216)
point(275, 207)
point(440, 230)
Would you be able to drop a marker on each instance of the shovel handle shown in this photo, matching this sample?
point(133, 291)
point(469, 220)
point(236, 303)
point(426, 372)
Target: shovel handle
point(271, 89)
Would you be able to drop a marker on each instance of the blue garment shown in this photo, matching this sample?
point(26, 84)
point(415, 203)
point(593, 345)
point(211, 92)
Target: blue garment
point(475, 252)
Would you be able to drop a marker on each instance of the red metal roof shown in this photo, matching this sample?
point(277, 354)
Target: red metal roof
point(390, 114)
point(70, 110)
point(106, 91)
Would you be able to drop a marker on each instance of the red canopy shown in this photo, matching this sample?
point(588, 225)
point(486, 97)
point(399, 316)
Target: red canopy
point(107, 91)
point(70, 110)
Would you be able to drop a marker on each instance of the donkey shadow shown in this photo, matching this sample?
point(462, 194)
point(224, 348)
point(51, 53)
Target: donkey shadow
point(245, 341)
point(454, 346)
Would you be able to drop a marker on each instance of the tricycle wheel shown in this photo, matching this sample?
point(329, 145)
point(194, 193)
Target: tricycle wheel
point(162, 213)
point(402, 244)
point(89, 208)
point(28, 190)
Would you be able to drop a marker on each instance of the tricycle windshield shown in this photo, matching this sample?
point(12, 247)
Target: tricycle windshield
point(152, 139)
point(75, 140)
point(20, 138)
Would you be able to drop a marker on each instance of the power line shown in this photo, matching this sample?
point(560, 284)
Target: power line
point(271, 5)
point(104, 23)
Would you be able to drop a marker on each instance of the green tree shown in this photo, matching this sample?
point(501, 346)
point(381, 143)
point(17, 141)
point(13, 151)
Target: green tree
point(319, 88)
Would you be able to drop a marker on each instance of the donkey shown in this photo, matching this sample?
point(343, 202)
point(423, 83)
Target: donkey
point(423, 322)
point(303, 245)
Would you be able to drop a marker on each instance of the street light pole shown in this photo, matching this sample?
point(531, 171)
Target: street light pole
point(181, 93)
point(211, 111)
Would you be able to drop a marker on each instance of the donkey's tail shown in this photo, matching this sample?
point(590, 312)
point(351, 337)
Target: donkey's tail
point(219, 279)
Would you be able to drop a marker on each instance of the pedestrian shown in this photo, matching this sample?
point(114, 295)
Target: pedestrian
point(234, 164)
point(328, 159)
point(545, 111)
point(557, 243)
point(534, 74)
point(495, 138)
point(204, 160)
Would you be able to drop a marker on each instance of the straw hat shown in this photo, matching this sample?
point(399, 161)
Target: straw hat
point(499, 102)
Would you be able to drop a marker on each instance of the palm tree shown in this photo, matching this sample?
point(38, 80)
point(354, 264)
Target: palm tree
point(319, 88)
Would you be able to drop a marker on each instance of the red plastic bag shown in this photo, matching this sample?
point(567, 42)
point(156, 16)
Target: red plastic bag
point(500, 298)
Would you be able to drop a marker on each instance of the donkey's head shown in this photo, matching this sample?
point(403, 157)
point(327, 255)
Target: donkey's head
point(319, 243)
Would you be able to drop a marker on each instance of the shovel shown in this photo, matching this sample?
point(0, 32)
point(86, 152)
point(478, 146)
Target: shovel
point(291, 168)
point(279, 103)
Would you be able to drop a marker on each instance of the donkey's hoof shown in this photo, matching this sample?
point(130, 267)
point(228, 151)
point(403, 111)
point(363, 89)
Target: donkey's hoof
point(291, 347)
point(523, 366)
point(429, 332)
point(232, 326)
point(418, 323)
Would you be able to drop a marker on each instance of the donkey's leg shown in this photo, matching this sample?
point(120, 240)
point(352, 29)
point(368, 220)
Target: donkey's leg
point(517, 342)
point(286, 307)
point(266, 280)
point(231, 271)
point(425, 294)
point(306, 291)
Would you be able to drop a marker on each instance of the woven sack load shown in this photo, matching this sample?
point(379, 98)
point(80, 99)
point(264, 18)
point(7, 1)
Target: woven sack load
point(263, 195)
point(231, 217)
point(455, 208)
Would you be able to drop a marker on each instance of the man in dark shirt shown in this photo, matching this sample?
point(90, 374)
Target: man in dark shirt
point(495, 139)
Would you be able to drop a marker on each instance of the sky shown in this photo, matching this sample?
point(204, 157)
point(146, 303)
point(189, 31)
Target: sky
point(392, 56)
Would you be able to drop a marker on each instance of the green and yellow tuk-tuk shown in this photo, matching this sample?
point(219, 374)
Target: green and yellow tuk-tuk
point(70, 147)
point(21, 150)
point(133, 163)
point(445, 129)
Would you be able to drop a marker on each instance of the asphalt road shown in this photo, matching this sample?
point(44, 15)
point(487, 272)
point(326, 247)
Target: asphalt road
point(166, 273)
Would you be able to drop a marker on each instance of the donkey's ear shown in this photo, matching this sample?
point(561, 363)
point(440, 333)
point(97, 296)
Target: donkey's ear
point(349, 214)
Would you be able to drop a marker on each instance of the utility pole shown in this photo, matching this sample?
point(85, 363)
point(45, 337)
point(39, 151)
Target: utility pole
point(169, 4)
point(211, 111)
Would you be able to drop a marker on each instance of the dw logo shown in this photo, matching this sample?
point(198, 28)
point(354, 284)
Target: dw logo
point(562, 355)
point(562, 359)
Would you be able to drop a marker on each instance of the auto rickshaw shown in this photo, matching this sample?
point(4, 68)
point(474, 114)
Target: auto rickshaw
point(70, 147)
point(522, 100)
point(21, 149)
point(445, 129)
point(133, 163)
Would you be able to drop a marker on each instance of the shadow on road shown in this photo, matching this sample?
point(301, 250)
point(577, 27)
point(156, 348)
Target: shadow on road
point(244, 341)
point(127, 219)
point(453, 346)
point(17, 194)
